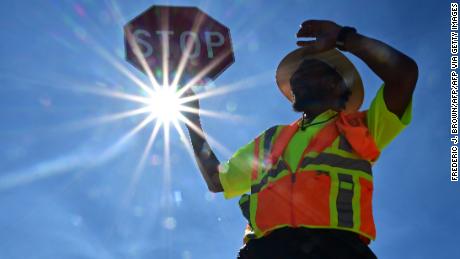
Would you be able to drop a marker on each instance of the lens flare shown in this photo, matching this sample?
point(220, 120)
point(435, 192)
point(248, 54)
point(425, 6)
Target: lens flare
point(160, 101)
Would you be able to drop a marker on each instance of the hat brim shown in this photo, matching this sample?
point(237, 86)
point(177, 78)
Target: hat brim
point(333, 58)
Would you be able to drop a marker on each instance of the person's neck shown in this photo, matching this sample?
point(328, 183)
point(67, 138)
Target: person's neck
point(311, 114)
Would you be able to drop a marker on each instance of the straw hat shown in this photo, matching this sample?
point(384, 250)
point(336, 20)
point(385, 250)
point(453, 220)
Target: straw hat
point(333, 58)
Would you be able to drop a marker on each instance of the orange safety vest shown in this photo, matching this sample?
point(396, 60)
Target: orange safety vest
point(330, 188)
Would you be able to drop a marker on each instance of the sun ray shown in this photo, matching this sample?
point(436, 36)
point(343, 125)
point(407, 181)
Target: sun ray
point(108, 56)
point(115, 9)
point(210, 139)
point(132, 132)
point(140, 165)
point(67, 163)
point(166, 168)
point(150, 142)
point(115, 94)
point(203, 72)
point(244, 83)
point(167, 158)
point(213, 114)
point(165, 49)
point(103, 53)
point(209, 93)
point(136, 50)
point(111, 117)
point(140, 57)
point(186, 54)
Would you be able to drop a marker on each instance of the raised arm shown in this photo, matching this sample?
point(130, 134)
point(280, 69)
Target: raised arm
point(398, 71)
point(205, 157)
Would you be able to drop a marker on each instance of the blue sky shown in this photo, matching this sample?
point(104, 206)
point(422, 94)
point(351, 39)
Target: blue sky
point(64, 182)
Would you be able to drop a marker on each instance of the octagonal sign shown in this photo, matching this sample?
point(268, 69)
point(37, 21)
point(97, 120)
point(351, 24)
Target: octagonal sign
point(169, 34)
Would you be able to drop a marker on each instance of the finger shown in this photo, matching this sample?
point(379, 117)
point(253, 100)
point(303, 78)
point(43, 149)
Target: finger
point(310, 46)
point(311, 23)
point(310, 28)
point(306, 33)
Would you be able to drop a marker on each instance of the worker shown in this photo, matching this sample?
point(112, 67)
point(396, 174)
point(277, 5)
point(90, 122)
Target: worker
point(306, 188)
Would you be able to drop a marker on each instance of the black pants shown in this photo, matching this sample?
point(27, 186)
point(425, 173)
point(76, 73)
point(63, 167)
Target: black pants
point(303, 243)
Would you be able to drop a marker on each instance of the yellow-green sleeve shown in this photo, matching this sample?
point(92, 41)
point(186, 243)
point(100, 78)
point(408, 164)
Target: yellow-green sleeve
point(384, 125)
point(235, 174)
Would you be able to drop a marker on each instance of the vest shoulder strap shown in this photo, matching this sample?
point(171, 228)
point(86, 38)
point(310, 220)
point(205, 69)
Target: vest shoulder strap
point(282, 141)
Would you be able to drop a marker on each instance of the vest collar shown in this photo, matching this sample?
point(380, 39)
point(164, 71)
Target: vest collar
point(324, 116)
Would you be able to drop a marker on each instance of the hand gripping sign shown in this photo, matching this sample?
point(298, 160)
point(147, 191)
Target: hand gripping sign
point(166, 38)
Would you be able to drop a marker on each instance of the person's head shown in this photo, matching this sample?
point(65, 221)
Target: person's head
point(317, 87)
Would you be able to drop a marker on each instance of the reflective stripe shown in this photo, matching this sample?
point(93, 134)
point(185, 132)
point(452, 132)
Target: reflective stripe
point(344, 144)
point(268, 137)
point(244, 206)
point(282, 140)
point(344, 201)
point(255, 162)
point(272, 173)
point(338, 161)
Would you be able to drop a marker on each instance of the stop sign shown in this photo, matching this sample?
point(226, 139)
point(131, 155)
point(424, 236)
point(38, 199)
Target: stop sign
point(172, 33)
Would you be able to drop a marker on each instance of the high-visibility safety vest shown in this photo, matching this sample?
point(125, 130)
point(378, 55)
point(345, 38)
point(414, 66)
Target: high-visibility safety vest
point(330, 188)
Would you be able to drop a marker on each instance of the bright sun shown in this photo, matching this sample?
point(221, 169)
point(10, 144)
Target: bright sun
point(163, 102)
point(165, 105)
